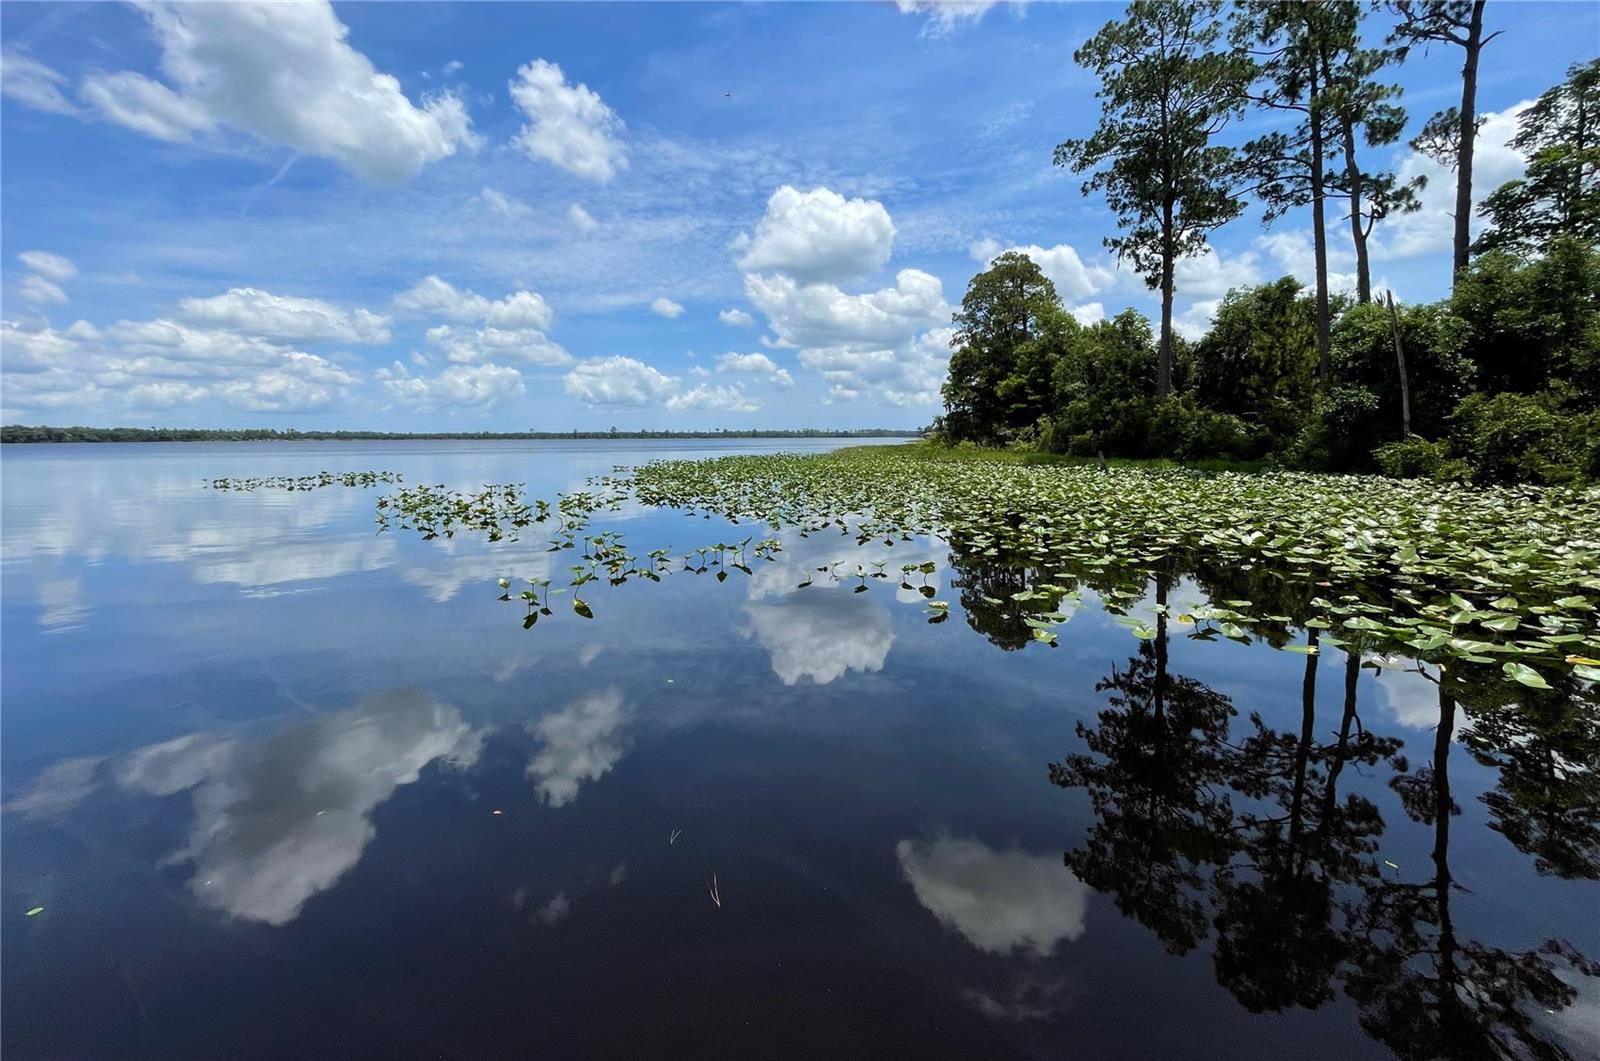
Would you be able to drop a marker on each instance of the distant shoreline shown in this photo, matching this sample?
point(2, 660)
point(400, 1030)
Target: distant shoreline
point(21, 435)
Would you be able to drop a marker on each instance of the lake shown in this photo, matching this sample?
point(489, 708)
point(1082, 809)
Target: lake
point(285, 786)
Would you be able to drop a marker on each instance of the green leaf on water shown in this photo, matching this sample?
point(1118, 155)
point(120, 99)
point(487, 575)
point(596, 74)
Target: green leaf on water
point(1526, 675)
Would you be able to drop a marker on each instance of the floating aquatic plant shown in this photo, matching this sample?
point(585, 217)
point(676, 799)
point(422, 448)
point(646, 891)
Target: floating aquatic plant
point(305, 482)
point(1497, 575)
point(1502, 576)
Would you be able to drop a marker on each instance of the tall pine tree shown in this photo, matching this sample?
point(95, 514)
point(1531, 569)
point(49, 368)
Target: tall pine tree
point(1366, 116)
point(1167, 90)
point(1297, 46)
point(1450, 135)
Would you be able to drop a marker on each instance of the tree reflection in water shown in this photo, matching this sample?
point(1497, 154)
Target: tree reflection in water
point(1545, 743)
point(1199, 829)
point(987, 587)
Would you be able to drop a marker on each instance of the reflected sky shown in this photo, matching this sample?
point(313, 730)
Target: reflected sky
point(265, 768)
point(999, 901)
point(579, 743)
point(805, 609)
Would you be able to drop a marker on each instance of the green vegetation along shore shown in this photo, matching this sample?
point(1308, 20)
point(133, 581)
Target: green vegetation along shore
point(1499, 382)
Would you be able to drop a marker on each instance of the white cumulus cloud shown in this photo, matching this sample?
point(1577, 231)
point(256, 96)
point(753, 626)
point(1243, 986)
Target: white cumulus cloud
point(256, 312)
point(142, 365)
point(285, 74)
point(736, 318)
point(164, 394)
point(1210, 275)
point(472, 346)
point(720, 399)
point(431, 295)
point(580, 218)
point(886, 343)
point(1431, 228)
point(1066, 269)
point(569, 126)
point(460, 387)
point(1088, 312)
point(202, 347)
point(816, 315)
point(818, 235)
point(755, 364)
point(618, 381)
point(1195, 321)
point(1293, 252)
point(911, 376)
point(665, 307)
point(298, 383)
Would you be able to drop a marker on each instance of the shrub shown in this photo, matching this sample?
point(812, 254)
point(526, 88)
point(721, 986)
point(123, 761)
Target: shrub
point(1418, 458)
point(1438, 373)
point(1185, 431)
point(1534, 323)
point(1525, 438)
point(1338, 438)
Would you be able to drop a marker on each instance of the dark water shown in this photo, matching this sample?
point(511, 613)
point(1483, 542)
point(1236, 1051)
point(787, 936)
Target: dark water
point(253, 755)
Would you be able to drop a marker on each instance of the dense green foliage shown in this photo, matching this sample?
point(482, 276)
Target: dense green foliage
point(1560, 192)
point(21, 433)
point(999, 377)
point(1259, 361)
point(1498, 383)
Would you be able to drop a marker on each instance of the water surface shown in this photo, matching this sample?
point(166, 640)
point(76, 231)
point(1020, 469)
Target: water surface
point(285, 786)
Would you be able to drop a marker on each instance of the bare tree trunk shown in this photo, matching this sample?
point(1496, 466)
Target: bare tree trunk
point(1468, 133)
point(1400, 360)
point(1302, 755)
point(1358, 232)
point(1319, 231)
point(1352, 673)
point(1164, 360)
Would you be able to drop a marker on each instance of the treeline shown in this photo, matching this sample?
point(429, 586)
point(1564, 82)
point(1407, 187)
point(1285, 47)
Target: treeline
point(21, 433)
point(1498, 382)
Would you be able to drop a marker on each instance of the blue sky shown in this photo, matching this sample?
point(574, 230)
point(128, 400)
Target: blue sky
point(509, 216)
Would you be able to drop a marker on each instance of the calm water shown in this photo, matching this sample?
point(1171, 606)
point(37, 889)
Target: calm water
point(289, 788)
